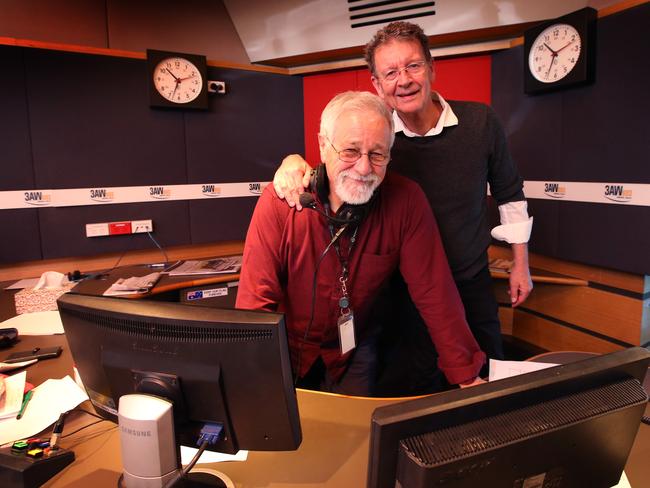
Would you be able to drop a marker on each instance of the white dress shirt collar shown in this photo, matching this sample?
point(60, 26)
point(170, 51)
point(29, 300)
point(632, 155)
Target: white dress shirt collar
point(447, 119)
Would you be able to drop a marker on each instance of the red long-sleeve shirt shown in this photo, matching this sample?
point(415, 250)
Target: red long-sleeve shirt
point(280, 256)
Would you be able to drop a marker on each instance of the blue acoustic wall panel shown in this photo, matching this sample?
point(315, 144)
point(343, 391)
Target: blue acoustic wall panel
point(261, 118)
point(597, 133)
point(75, 121)
point(20, 232)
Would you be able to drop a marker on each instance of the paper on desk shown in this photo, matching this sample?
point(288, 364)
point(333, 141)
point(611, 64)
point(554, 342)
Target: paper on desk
point(25, 283)
point(4, 367)
point(12, 399)
point(36, 323)
point(187, 453)
point(49, 400)
point(506, 369)
point(624, 482)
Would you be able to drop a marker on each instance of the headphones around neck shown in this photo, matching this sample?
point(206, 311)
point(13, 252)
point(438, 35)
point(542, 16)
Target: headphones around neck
point(319, 186)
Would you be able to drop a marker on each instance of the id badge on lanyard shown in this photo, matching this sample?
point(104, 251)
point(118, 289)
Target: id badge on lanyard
point(345, 321)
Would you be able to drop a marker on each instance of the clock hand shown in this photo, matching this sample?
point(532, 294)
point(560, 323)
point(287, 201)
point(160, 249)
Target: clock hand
point(565, 46)
point(549, 48)
point(553, 56)
point(175, 77)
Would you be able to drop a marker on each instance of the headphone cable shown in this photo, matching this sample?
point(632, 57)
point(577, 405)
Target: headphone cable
point(313, 297)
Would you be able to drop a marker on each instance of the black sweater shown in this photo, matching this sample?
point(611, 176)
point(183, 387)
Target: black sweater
point(453, 168)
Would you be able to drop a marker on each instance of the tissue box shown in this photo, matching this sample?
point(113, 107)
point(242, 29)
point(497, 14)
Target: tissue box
point(41, 300)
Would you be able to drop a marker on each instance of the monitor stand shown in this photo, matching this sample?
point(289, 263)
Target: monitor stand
point(150, 456)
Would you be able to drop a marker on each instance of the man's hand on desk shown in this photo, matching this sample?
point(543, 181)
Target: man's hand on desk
point(474, 382)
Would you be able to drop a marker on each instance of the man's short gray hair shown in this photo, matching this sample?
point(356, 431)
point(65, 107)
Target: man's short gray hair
point(360, 101)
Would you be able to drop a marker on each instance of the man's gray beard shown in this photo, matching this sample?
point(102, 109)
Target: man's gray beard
point(359, 195)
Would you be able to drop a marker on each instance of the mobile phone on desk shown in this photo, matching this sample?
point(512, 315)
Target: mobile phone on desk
point(36, 353)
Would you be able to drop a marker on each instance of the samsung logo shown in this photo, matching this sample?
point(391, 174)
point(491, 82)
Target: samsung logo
point(160, 192)
point(37, 198)
point(136, 432)
point(617, 193)
point(211, 190)
point(101, 195)
point(554, 190)
point(170, 350)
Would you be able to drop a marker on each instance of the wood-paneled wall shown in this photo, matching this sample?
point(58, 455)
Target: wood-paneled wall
point(605, 315)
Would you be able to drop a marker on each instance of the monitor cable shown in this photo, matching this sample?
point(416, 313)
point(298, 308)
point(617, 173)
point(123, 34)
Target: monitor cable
point(210, 435)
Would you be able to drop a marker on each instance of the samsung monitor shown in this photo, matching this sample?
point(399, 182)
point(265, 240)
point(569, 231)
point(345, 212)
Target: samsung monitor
point(227, 367)
point(566, 426)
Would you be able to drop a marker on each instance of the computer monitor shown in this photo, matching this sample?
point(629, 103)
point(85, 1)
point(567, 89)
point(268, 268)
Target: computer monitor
point(215, 365)
point(565, 426)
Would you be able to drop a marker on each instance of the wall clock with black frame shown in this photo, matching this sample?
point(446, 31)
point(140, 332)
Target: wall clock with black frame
point(560, 53)
point(177, 80)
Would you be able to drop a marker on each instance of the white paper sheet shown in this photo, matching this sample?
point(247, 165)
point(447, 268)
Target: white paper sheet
point(24, 283)
point(4, 367)
point(49, 400)
point(506, 369)
point(187, 453)
point(36, 323)
point(12, 398)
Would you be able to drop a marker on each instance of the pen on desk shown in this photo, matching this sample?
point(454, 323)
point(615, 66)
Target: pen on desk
point(23, 407)
point(56, 431)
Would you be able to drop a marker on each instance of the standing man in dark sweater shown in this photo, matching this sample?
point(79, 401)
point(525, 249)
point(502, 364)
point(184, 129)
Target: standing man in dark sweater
point(453, 150)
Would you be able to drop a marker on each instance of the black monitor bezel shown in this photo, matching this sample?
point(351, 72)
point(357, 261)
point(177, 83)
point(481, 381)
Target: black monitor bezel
point(391, 423)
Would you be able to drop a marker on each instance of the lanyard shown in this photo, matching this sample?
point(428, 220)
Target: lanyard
point(344, 301)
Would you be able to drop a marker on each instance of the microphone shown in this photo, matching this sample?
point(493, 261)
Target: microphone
point(350, 214)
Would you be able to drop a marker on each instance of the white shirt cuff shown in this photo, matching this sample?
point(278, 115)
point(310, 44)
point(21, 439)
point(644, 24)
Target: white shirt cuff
point(516, 225)
point(517, 233)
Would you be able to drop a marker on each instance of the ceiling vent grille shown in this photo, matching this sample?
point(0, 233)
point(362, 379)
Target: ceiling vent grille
point(365, 13)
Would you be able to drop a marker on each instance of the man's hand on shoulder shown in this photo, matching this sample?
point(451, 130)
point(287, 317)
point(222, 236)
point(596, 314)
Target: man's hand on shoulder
point(291, 179)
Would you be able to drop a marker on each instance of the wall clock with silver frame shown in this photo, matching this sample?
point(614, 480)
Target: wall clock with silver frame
point(177, 80)
point(560, 53)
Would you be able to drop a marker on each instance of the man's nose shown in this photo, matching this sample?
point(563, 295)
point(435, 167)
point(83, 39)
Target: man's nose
point(403, 77)
point(363, 165)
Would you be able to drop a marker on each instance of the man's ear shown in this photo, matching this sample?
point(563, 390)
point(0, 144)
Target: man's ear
point(433, 71)
point(322, 145)
point(377, 84)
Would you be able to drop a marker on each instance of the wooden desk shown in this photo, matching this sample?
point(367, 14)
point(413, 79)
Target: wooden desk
point(334, 451)
point(96, 286)
point(542, 276)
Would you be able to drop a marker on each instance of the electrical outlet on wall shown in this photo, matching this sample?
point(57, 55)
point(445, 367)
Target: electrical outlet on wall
point(217, 87)
point(139, 226)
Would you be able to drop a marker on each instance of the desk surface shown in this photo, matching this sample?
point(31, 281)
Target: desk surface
point(334, 451)
point(97, 286)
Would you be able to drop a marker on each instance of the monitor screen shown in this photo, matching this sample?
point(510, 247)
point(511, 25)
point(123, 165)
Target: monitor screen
point(565, 426)
point(215, 365)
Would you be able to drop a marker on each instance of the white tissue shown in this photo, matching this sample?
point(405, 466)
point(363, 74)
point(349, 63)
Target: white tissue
point(51, 279)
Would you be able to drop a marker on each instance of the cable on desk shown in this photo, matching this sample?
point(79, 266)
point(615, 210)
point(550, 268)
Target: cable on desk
point(158, 246)
point(210, 435)
point(84, 427)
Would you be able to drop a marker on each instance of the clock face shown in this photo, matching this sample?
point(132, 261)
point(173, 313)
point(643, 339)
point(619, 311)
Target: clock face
point(554, 53)
point(177, 80)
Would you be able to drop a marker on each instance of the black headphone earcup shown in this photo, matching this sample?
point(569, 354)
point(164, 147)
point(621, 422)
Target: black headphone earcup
point(318, 182)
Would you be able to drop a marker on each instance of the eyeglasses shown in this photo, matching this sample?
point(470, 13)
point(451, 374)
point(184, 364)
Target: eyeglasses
point(352, 155)
point(415, 68)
